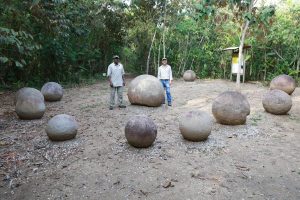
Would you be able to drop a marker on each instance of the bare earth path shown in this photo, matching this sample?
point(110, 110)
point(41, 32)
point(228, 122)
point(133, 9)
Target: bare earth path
point(259, 160)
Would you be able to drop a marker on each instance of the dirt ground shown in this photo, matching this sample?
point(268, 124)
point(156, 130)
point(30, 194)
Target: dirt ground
point(258, 160)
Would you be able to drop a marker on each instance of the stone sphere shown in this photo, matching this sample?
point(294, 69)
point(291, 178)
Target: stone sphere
point(195, 125)
point(189, 75)
point(62, 127)
point(283, 82)
point(30, 104)
point(231, 108)
point(52, 91)
point(277, 102)
point(27, 91)
point(140, 131)
point(146, 90)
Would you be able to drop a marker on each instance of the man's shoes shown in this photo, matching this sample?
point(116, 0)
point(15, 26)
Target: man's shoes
point(111, 108)
point(169, 104)
point(122, 106)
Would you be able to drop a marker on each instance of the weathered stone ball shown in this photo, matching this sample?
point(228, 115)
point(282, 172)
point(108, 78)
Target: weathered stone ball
point(30, 104)
point(277, 102)
point(52, 91)
point(283, 82)
point(146, 90)
point(140, 131)
point(231, 108)
point(195, 125)
point(189, 75)
point(27, 91)
point(62, 127)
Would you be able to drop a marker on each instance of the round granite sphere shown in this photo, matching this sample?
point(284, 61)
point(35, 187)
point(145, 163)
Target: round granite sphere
point(62, 127)
point(283, 82)
point(146, 90)
point(195, 125)
point(140, 131)
point(52, 91)
point(189, 75)
point(277, 102)
point(231, 108)
point(30, 104)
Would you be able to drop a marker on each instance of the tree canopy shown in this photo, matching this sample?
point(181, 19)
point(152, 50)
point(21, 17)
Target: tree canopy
point(72, 41)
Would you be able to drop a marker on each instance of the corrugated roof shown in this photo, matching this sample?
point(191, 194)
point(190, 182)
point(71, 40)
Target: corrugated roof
point(235, 48)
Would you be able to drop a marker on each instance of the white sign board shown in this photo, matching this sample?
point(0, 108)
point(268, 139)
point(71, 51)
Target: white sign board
point(235, 64)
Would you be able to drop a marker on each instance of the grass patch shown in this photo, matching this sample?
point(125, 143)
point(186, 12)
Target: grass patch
point(256, 118)
point(295, 118)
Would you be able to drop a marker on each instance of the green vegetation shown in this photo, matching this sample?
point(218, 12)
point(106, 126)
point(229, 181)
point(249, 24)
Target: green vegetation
point(256, 118)
point(73, 41)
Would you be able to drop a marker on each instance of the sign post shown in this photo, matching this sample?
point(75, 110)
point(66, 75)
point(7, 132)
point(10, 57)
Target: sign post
point(235, 61)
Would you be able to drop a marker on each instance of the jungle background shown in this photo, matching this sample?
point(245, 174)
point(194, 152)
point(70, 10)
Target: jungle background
point(73, 42)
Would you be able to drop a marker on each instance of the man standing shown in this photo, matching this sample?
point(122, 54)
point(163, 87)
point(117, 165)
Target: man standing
point(115, 73)
point(165, 77)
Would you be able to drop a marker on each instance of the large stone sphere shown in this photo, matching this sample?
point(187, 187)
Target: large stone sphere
point(62, 127)
point(140, 131)
point(146, 90)
point(52, 91)
point(277, 102)
point(283, 82)
point(30, 104)
point(231, 108)
point(27, 91)
point(195, 125)
point(189, 75)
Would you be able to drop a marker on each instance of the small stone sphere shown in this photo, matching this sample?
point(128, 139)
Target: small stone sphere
point(189, 75)
point(62, 127)
point(277, 102)
point(30, 104)
point(195, 125)
point(140, 131)
point(52, 91)
point(146, 90)
point(231, 108)
point(283, 82)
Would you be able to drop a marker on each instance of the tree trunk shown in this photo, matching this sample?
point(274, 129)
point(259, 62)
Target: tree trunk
point(179, 68)
point(158, 55)
point(242, 41)
point(191, 67)
point(298, 66)
point(186, 54)
point(148, 59)
point(251, 66)
point(164, 29)
point(224, 73)
point(154, 62)
point(244, 31)
point(265, 70)
point(188, 51)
